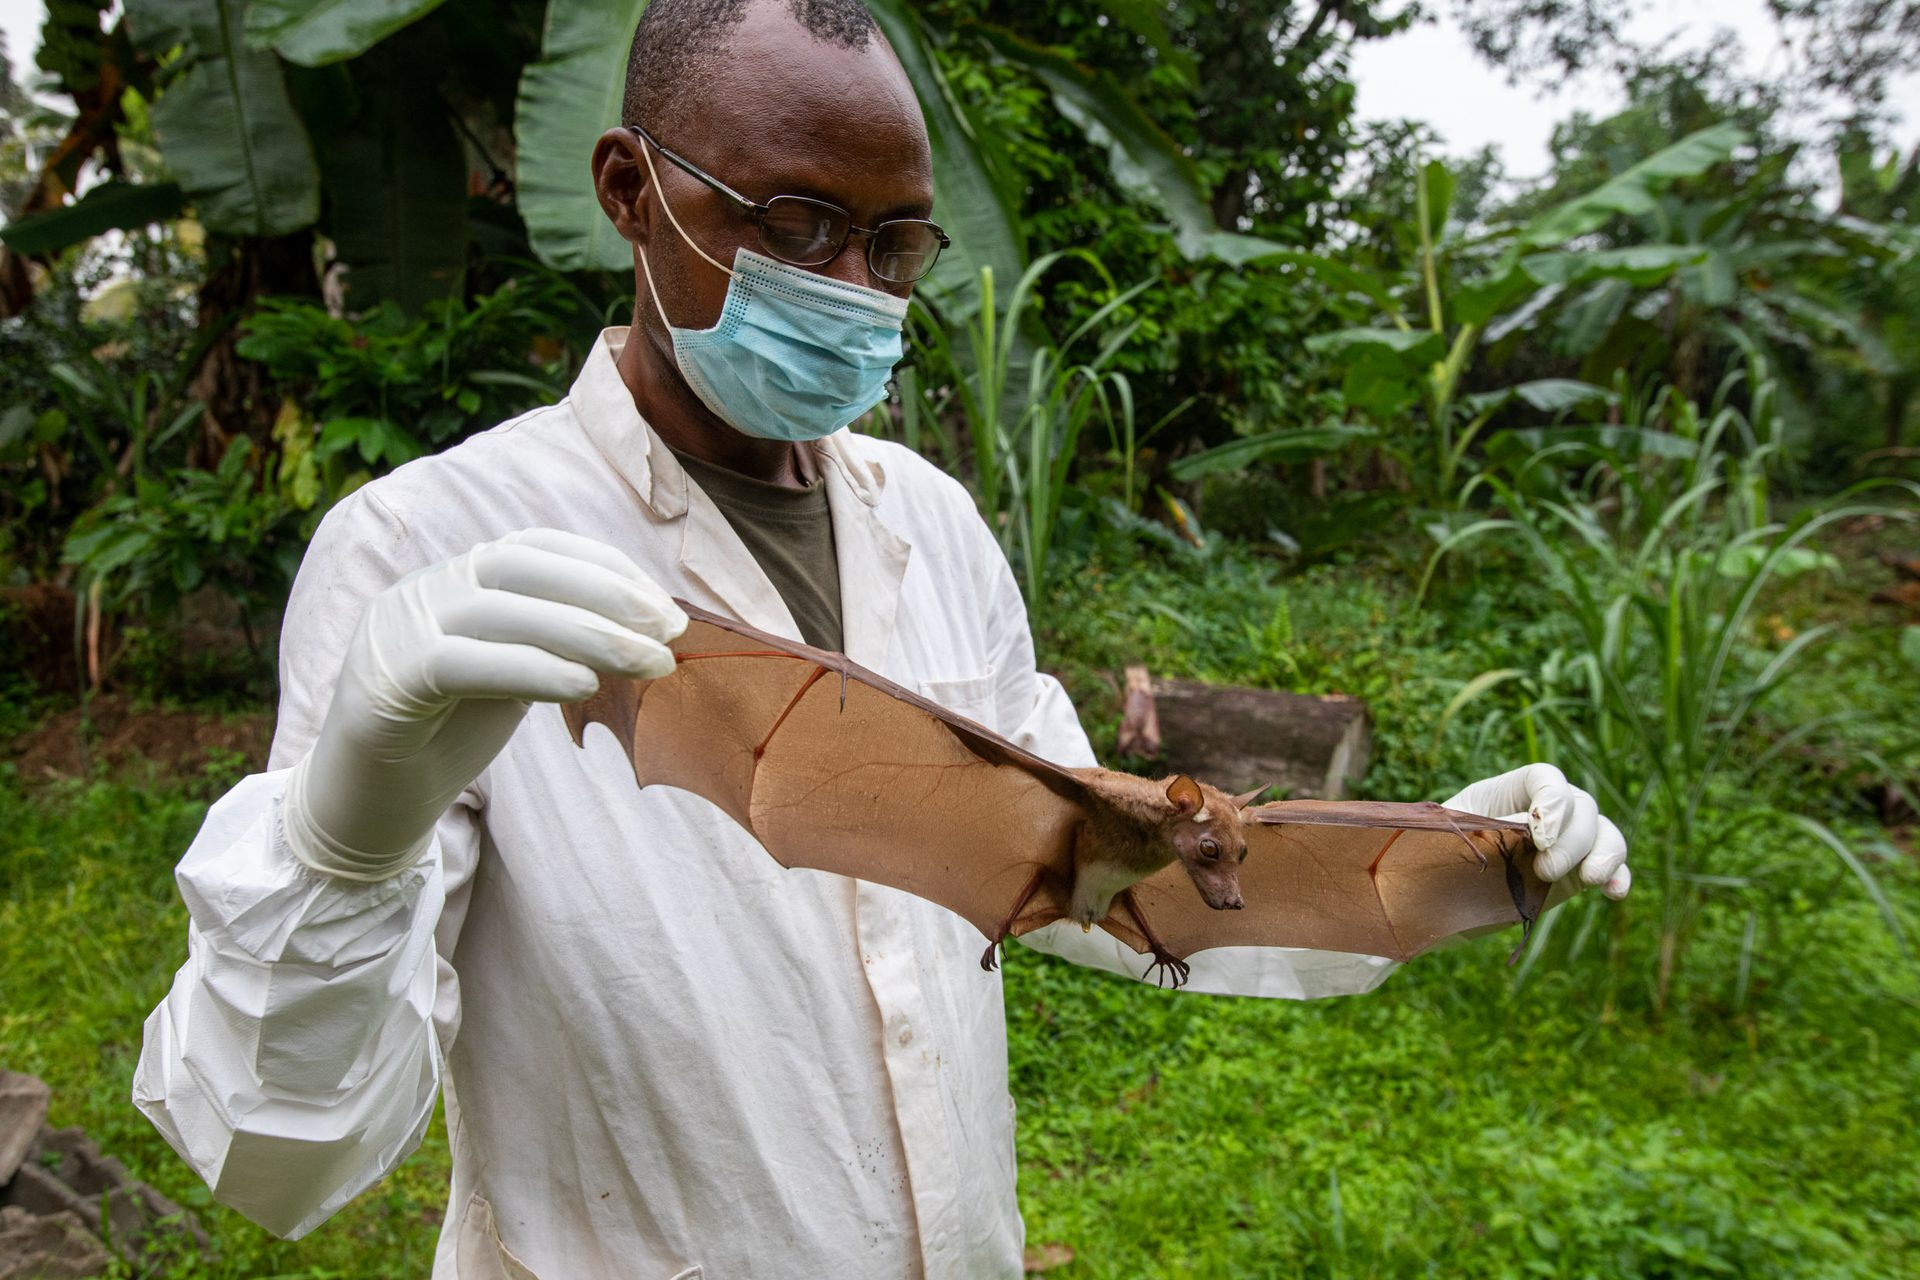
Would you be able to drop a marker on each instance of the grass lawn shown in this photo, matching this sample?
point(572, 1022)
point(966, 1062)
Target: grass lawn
point(1454, 1123)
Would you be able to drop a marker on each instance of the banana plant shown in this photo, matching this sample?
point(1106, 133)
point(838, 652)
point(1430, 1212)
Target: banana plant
point(1464, 289)
point(245, 163)
point(225, 122)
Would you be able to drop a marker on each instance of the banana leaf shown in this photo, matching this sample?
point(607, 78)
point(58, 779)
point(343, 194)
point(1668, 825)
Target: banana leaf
point(398, 178)
point(225, 124)
point(314, 33)
point(1297, 445)
point(567, 99)
point(1634, 190)
point(972, 186)
point(110, 206)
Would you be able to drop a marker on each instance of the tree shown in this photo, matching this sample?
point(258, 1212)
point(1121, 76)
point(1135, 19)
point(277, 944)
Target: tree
point(1845, 52)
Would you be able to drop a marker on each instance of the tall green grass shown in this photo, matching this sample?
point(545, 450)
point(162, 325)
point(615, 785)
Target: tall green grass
point(1015, 404)
point(1658, 544)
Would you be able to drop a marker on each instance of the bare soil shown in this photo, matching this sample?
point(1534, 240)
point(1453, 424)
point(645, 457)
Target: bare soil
point(122, 738)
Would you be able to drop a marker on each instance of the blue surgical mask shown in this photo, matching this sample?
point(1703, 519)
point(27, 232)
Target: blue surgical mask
point(795, 355)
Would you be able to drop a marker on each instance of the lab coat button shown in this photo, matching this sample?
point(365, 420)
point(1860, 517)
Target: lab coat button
point(906, 1035)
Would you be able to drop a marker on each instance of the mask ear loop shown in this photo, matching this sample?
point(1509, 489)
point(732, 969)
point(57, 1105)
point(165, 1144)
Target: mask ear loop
point(646, 152)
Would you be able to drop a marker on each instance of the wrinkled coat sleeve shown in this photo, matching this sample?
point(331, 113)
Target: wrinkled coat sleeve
point(296, 1058)
point(1043, 721)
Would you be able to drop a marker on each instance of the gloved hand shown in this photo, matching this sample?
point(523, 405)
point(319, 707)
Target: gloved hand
point(442, 668)
point(1568, 828)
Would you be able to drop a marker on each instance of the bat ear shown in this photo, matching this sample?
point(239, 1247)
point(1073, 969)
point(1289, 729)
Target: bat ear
point(1242, 801)
point(1184, 794)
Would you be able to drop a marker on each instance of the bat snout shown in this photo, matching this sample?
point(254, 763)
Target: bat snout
point(1220, 892)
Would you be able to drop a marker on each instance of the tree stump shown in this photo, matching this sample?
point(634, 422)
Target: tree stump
point(23, 1109)
point(1239, 738)
point(61, 1199)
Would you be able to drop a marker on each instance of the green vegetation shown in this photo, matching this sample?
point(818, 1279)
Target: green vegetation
point(91, 930)
point(1606, 469)
point(1454, 1122)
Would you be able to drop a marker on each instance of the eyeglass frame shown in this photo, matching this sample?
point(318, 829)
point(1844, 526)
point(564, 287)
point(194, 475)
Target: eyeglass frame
point(758, 212)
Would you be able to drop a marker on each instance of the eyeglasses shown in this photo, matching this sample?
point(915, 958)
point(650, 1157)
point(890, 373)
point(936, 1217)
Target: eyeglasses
point(809, 233)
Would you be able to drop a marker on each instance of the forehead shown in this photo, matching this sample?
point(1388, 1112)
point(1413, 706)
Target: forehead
point(782, 112)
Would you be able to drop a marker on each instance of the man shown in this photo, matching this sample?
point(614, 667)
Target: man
point(662, 1054)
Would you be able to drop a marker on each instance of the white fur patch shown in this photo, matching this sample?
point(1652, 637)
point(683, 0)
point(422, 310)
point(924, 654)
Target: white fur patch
point(1203, 815)
point(1096, 885)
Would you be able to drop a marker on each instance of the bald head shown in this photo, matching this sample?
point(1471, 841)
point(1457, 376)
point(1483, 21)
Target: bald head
point(679, 44)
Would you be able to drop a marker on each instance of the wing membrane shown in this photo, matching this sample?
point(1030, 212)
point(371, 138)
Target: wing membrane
point(1376, 879)
point(832, 767)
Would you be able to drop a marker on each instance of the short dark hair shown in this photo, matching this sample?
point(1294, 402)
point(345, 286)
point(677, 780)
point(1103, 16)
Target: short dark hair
point(676, 39)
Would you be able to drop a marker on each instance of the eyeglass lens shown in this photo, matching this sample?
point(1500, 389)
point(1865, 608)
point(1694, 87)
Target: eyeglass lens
point(807, 233)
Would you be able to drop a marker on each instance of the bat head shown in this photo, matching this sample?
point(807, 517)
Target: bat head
point(1205, 831)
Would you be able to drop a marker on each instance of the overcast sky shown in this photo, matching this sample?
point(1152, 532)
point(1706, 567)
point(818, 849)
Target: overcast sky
point(1430, 74)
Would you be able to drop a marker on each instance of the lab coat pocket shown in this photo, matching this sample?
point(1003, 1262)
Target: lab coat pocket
point(482, 1255)
point(971, 697)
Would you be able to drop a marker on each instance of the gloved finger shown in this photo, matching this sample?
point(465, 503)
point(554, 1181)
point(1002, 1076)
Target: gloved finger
point(640, 605)
point(1508, 792)
point(1565, 822)
point(1619, 882)
point(462, 667)
point(571, 632)
point(1608, 856)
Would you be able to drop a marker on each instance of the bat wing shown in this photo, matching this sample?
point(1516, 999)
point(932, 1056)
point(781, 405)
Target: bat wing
point(1372, 878)
point(833, 767)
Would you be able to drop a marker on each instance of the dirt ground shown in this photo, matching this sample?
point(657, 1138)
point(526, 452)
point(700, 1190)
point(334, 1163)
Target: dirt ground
point(122, 737)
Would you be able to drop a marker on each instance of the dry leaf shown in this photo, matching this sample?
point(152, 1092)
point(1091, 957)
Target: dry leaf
point(1045, 1257)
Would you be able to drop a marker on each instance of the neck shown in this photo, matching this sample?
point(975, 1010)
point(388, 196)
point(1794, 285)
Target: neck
point(679, 418)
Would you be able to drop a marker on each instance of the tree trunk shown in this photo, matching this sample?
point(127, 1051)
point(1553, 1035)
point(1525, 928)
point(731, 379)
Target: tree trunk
point(242, 271)
point(1239, 739)
point(1230, 199)
point(1899, 396)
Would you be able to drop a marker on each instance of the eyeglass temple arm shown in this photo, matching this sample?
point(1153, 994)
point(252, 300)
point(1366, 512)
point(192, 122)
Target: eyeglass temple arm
point(694, 170)
point(760, 210)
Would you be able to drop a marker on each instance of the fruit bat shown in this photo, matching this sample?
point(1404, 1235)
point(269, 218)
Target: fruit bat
point(833, 767)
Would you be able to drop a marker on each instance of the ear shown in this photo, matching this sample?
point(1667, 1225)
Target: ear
point(1242, 801)
point(1184, 794)
point(620, 182)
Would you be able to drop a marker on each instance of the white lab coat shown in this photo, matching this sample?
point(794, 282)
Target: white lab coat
point(663, 1054)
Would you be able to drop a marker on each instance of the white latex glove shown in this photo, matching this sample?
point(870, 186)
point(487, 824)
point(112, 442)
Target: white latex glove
point(439, 674)
point(1568, 828)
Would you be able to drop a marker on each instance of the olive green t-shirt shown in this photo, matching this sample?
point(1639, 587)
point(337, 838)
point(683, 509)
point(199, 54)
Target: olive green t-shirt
point(790, 533)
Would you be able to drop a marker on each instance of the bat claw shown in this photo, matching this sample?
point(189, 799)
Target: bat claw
point(990, 959)
point(1174, 967)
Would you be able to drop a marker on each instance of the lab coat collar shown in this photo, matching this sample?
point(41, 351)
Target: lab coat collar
point(872, 557)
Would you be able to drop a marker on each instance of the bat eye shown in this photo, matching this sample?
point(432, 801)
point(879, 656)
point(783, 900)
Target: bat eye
point(1210, 847)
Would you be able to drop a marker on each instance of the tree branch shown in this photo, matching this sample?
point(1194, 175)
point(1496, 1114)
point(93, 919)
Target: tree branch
point(1327, 9)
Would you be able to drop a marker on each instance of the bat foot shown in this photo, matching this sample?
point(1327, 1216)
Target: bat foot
point(1173, 967)
point(990, 958)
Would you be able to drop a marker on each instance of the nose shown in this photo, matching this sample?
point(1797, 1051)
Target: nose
point(850, 265)
point(1235, 903)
